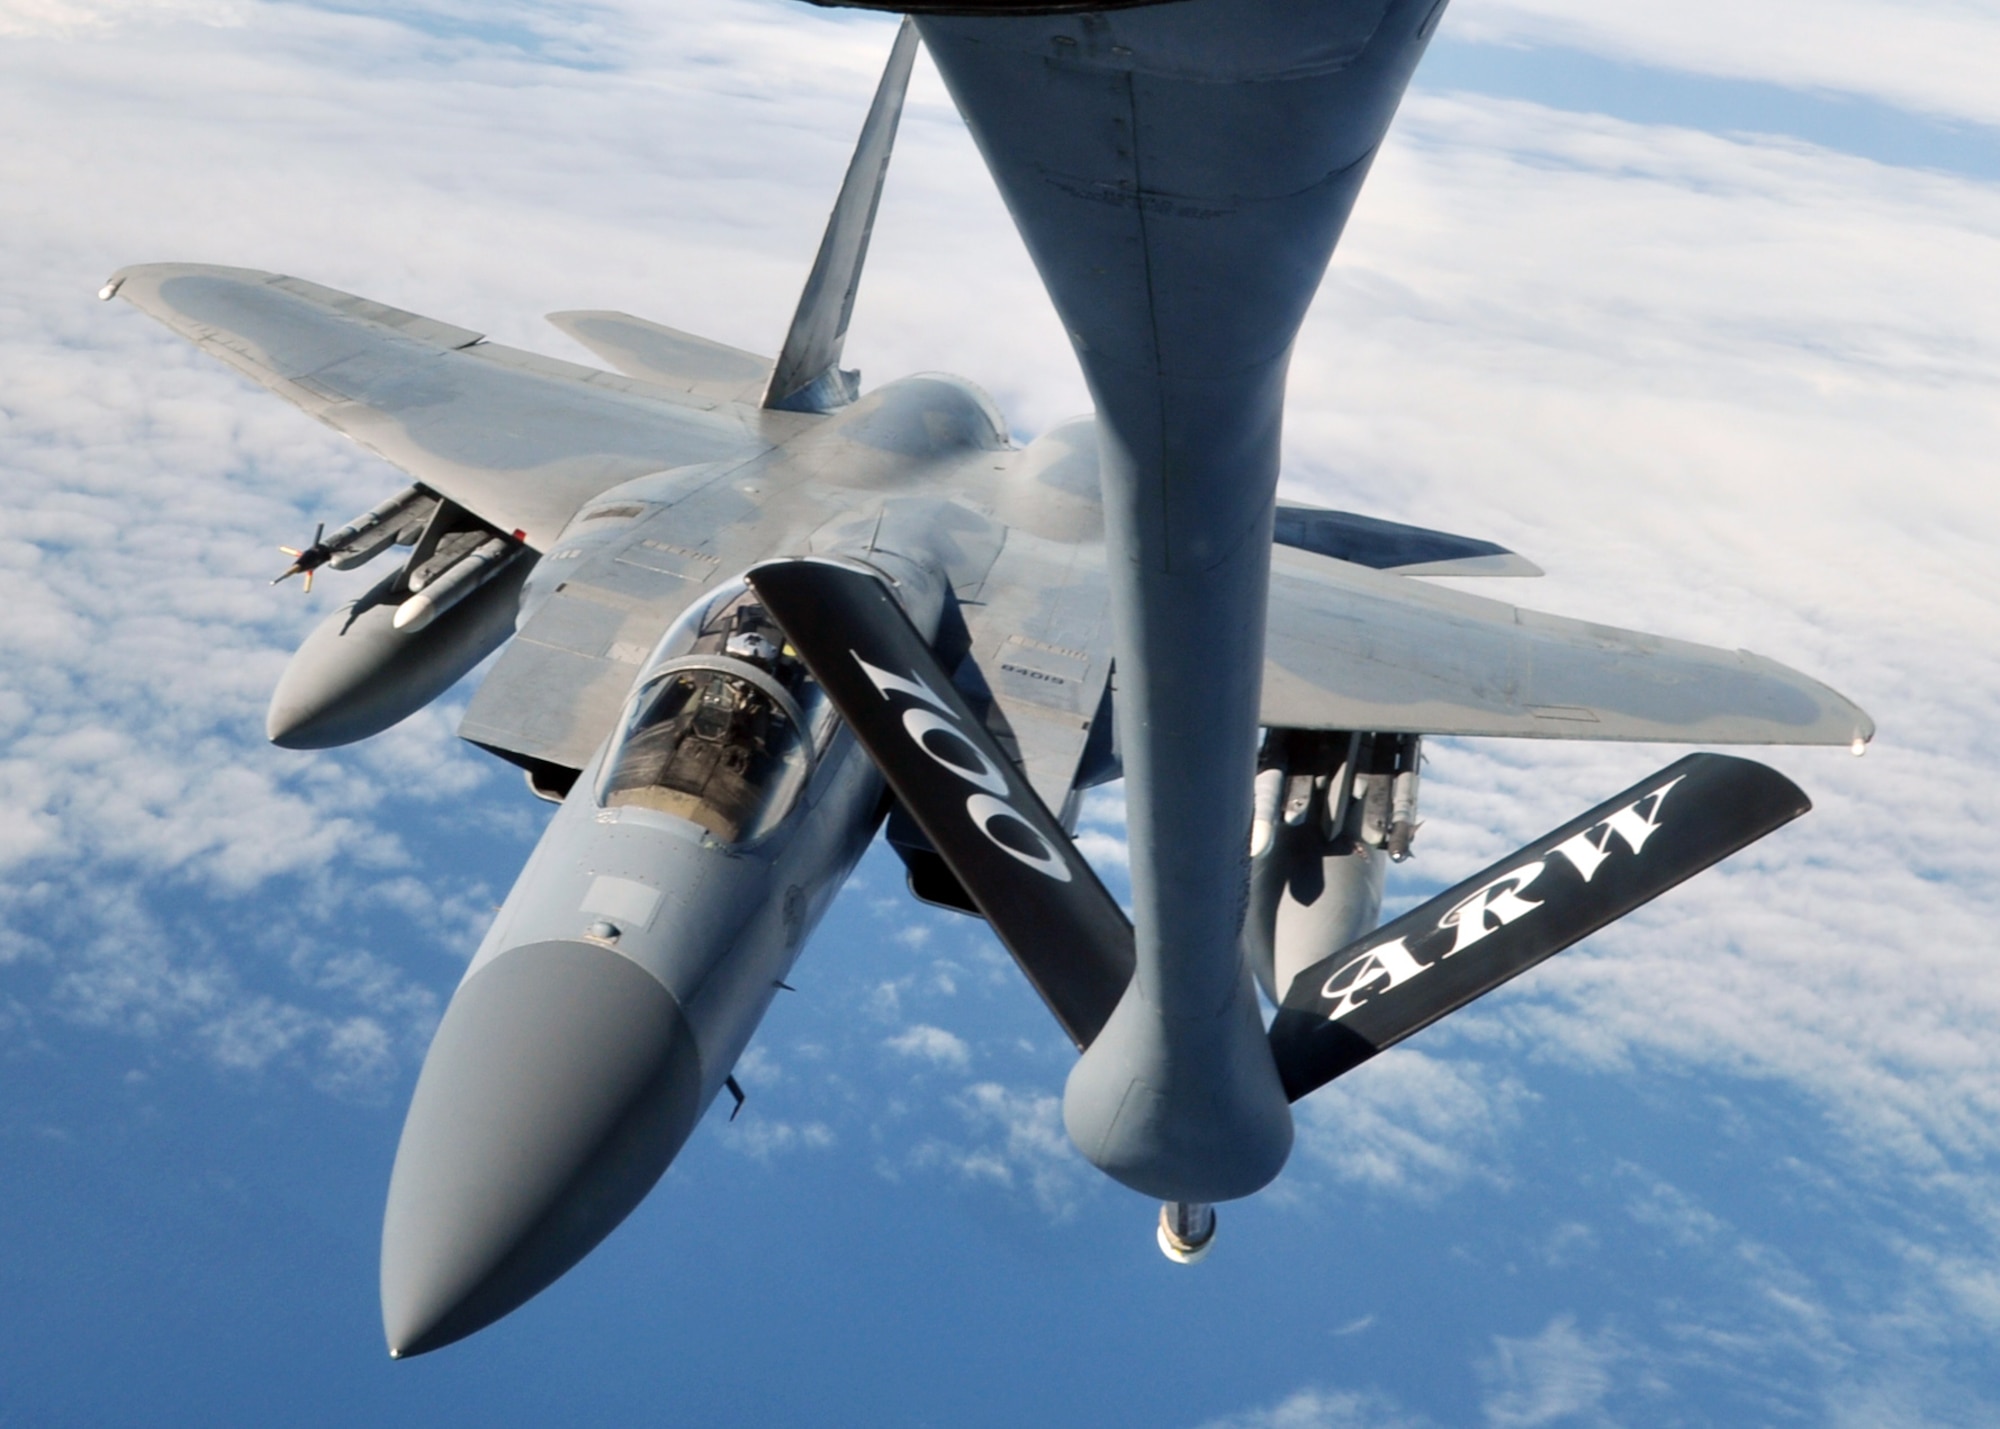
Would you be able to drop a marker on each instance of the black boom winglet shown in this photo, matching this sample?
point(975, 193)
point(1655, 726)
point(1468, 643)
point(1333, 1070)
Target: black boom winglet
point(1499, 923)
point(971, 801)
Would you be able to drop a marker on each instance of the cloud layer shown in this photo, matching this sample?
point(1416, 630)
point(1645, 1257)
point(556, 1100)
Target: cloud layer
point(1736, 390)
point(1929, 56)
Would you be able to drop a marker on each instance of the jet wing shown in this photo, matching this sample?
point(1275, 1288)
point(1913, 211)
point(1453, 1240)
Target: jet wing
point(1351, 648)
point(520, 440)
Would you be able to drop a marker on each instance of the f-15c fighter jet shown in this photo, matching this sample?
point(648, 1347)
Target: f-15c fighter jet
point(750, 613)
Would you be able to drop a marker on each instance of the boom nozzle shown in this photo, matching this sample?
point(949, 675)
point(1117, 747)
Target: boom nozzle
point(1187, 1231)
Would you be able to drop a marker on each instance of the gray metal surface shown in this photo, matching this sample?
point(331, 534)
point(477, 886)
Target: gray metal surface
point(614, 991)
point(1180, 175)
point(358, 675)
point(808, 377)
point(1351, 648)
point(560, 1084)
point(1392, 546)
point(523, 440)
point(1347, 647)
point(678, 361)
point(1308, 897)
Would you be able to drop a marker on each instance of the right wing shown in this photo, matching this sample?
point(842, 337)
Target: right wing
point(1351, 648)
point(520, 440)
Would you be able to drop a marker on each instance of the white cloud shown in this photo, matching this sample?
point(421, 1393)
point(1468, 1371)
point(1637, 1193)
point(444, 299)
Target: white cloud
point(764, 1140)
point(148, 486)
point(933, 1045)
point(1930, 56)
point(132, 777)
point(1734, 391)
point(1017, 1141)
point(69, 19)
point(1100, 834)
point(885, 1000)
point(1410, 1123)
point(1725, 1324)
point(1325, 1409)
point(758, 1068)
point(1560, 1374)
point(1104, 851)
point(1737, 392)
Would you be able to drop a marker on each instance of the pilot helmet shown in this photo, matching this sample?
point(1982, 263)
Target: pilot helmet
point(753, 646)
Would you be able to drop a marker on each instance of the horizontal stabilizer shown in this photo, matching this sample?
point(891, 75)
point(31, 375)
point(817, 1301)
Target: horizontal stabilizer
point(1392, 546)
point(973, 804)
point(1499, 923)
point(680, 360)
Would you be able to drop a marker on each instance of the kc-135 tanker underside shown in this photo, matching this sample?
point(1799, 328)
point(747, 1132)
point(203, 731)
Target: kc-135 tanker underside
point(748, 615)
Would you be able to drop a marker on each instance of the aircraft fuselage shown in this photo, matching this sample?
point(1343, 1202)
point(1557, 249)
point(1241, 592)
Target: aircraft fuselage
point(647, 935)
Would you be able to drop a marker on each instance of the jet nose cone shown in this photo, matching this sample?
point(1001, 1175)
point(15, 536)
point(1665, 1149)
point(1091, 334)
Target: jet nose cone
point(563, 1080)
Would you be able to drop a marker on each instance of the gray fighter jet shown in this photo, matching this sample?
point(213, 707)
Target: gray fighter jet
point(751, 613)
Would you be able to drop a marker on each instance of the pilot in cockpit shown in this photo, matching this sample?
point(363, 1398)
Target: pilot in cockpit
point(719, 735)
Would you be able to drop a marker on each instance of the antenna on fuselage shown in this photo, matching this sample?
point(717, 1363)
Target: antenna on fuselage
point(808, 375)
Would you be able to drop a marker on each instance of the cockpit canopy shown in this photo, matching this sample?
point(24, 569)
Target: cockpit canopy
point(724, 726)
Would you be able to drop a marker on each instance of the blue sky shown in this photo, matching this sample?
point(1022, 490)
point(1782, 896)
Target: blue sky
point(1693, 306)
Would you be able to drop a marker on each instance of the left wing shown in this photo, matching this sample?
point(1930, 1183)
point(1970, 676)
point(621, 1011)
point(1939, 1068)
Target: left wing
point(520, 440)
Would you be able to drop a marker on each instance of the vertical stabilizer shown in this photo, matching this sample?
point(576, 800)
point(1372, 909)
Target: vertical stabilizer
point(808, 377)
